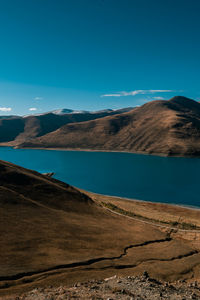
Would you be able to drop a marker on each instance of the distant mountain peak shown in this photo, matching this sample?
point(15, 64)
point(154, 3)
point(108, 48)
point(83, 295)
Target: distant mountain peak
point(64, 111)
point(181, 99)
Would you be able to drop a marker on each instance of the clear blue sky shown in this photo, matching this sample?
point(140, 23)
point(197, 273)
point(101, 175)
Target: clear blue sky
point(69, 53)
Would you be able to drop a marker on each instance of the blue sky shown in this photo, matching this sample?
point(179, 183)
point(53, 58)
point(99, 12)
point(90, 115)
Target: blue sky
point(95, 54)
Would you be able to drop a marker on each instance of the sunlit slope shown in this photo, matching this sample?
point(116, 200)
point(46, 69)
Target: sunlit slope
point(45, 223)
point(161, 127)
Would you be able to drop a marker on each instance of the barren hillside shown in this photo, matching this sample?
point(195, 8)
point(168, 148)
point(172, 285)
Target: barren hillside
point(160, 127)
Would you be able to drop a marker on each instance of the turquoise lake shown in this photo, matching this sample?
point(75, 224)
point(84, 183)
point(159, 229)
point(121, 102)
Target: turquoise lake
point(145, 177)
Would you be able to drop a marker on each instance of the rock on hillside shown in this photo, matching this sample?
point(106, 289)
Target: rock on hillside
point(126, 288)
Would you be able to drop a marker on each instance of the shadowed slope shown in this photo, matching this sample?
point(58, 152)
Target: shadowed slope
point(161, 127)
point(10, 128)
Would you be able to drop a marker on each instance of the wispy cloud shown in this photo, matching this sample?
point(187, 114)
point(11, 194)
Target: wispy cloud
point(113, 95)
point(38, 98)
point(136, 92)
point(158, 98)
point(5, 108)
point(32, 108)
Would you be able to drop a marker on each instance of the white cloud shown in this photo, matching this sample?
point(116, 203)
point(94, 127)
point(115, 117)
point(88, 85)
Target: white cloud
point(136, 92)
point(158, 98)
point(38, 98)
point(32, 108)
point(5, 108)
point(112, 95)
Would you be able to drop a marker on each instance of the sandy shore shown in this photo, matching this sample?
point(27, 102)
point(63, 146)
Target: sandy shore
point(165, 214)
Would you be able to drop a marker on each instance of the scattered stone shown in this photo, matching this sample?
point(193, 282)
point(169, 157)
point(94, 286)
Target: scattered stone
point(110, 278)
point(145, 274)
point(116, 288)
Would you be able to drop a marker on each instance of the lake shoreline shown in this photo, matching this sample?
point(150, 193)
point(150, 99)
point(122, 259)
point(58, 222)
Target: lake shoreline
point(101, 150)
point(126, 189)
point(189, 207)
point(111, 151)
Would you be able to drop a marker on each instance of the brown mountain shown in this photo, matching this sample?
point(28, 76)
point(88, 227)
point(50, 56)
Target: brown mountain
point(161, 127)
point(19, 129)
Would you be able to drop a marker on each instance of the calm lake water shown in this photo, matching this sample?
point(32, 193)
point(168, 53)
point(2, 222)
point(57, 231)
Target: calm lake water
point(145, 177)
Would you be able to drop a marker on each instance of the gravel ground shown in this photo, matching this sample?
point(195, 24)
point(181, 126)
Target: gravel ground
point(139, 288)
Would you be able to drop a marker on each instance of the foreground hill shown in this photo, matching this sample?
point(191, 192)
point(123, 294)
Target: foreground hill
point(161, 127)
point(52, 234)
point(18, 129)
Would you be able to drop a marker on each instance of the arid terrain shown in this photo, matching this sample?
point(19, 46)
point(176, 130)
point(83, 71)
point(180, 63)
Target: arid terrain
point(53, 234)
point(17, 129)
point(166, 127)
point(116, 287)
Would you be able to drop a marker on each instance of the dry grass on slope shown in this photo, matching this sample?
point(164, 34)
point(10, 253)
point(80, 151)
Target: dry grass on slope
point(160, 127)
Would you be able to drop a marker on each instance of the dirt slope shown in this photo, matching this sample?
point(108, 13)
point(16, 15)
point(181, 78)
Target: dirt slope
point(161, 127)
point(53, 234)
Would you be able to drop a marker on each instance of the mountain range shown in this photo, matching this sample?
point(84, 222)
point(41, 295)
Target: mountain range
point(18, 129)
point(166, 127)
